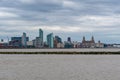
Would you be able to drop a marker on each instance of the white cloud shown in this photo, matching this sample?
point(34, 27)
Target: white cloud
point(7, 15)
point(70, 16)
point(93, 20)
point(28, 1)
point(71, 4)
point(74, 29)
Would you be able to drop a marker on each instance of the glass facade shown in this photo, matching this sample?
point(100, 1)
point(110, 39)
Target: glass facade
point(40, 39)
point(17, 41)
point(59, 40)
point(50, 41)
point(24, 41)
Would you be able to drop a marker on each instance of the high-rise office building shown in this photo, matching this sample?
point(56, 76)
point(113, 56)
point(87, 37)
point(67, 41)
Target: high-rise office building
point(58, 39)
point(41, 34)
point(69, 39)
point(39, 40)
point(24, 40)
point(50, 40)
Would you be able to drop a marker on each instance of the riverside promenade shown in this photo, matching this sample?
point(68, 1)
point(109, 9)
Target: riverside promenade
point(64, 50)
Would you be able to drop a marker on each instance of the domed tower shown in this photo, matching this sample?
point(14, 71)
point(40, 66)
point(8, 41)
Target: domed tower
point(83, 41)
point(92, 40)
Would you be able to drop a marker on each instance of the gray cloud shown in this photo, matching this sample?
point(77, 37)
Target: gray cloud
point(83, 17)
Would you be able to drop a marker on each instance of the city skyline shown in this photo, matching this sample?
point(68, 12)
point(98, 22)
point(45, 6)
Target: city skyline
point(43, 37)
point(66, 18)
point(53, 41)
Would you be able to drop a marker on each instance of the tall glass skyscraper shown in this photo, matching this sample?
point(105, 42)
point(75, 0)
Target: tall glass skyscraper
point(24, 41)
point(41, 37)
point(50, 40)
point(41, 34)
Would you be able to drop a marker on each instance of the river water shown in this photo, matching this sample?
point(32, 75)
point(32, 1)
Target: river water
point(59, 67)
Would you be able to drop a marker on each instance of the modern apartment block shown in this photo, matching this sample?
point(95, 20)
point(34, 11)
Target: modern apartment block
point(24, 40)
point(50, 40)
point(38, 42)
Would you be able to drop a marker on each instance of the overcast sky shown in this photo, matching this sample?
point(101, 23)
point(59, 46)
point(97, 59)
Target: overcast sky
point(66, 18)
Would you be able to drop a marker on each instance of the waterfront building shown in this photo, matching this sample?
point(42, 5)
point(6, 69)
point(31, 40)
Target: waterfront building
point(68, 44)
point(18, 38)
point(69, 39)
point(50, 40)
point(57, 40)
point(55, 43)
point(30, 44)
point(34, 42)
point(24, 41)
point(76, 44)
point(88, 44)
point(99, 45)
point(60, 45)
point(3, 44)
point(17, 41)
point(108, 45)
point(116, 45)
point(38, 41)
point(46, 45)
point(41, 37)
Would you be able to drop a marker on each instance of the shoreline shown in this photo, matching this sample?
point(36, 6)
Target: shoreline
point(68, 53)
point(62, 51)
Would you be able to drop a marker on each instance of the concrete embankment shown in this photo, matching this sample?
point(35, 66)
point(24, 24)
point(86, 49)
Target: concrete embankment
point(64, 50)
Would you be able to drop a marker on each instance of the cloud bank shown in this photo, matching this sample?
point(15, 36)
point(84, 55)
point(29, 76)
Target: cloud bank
point(74, 18)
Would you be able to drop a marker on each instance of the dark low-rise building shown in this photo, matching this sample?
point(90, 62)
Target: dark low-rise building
point(17, 41)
